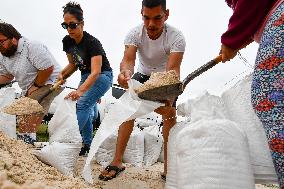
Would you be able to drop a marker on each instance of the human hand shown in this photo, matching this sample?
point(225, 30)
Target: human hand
point(123, 77)
point(74, 95)
point(31, 90)
point(227, 53)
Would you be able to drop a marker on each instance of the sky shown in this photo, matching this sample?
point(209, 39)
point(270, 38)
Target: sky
point(201, 22)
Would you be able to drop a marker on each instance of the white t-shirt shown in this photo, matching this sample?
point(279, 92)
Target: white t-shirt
point(29, 58)
point(154, 54)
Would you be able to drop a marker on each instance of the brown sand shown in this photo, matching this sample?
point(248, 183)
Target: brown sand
point(23, 106)
point(159, 79)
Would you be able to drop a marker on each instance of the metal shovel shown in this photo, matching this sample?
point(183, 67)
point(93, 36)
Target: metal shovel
point(167, 92)
point(40, 97)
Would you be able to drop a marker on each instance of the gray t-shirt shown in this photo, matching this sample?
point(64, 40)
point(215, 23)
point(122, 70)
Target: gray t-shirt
point(29, 58)
point(154, 54)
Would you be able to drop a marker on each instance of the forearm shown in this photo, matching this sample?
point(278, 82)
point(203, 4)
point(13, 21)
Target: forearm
point(43, 76)
point(244, 22)
point(6, 78)
point(127, 65)
point(91, 79)
point(68, 70)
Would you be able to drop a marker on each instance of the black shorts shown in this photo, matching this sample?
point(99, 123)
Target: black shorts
point(143, 78)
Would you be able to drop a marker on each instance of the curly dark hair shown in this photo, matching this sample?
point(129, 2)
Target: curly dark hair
point(9, 31)
point(154, 3)
point(74, 9)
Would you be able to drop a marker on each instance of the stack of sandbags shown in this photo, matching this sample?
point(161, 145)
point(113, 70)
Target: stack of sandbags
point(64, 138)
point(134, 151)
point(237, 102)
point(153, 142)
point(7, 121)
point(211, 151)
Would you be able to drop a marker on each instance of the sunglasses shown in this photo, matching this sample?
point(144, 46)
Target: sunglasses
point(71, 25)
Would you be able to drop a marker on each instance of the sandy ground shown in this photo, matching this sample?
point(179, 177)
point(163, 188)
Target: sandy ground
point(134, 177)
point(20, 169)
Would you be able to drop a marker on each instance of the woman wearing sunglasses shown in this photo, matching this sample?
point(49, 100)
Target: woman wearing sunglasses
point(84, 52)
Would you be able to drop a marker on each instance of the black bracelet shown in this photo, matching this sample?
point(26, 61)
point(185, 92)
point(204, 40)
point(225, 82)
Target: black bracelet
point(36, 85)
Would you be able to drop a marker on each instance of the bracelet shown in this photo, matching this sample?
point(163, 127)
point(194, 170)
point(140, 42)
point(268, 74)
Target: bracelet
point(36, 85)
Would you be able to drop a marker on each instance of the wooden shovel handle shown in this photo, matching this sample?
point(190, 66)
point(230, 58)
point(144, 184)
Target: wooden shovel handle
point(200, 70)
point(56, 85)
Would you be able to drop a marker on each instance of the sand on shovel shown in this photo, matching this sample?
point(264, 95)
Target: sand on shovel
point(159, 79)
point(23, 106)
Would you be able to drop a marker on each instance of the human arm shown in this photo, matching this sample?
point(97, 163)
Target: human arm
point(127, 65)
point(96, 64)
point(247, 17)
point(174, 62)
point(68, 70)
point(5, 79)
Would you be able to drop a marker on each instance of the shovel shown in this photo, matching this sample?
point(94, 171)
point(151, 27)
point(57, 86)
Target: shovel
point(44, 94)
point(167, 92)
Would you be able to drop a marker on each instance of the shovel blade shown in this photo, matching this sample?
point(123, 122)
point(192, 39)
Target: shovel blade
point(162, 93)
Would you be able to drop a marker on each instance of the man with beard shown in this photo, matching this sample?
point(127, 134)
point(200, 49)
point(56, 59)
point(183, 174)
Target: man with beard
point(35, 70)
point(160, 47)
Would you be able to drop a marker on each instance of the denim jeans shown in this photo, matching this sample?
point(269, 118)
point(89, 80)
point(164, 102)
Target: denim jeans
point(86, 104)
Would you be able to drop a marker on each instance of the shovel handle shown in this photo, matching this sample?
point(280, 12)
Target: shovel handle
point(201, 69)
point(56, 85)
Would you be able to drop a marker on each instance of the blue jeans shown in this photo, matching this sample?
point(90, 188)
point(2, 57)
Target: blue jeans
point(86, 104)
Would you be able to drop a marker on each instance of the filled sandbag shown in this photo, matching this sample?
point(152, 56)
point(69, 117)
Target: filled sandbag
point(7, 121)
point(237, 101)
point(172, 155)
point(62, 156)
point(133, 154)
point(153, 142)
point(212, 153)
point(148, 120)
point(63, 126)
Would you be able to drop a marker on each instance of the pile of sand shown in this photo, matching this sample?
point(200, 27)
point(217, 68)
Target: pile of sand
point(159, 79)
point(23, 106)
point(19, 169)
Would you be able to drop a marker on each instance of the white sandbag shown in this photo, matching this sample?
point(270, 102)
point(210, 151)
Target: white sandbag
point(204, 106)
point(63, 126)
point(161, 156)
point(237, 101)
point(128, 107)
point(62, 156)
point(7, 121)
point(105, 153)
point(172, 155)
point(148, 120)
point(58, 99)
point(213, 154)
point(134, 151)
point(153, 142)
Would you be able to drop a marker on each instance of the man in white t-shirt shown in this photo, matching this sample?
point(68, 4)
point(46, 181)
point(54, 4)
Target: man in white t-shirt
point(35, 70)
point(160, 47)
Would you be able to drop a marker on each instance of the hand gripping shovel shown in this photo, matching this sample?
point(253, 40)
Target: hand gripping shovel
point(171, 91)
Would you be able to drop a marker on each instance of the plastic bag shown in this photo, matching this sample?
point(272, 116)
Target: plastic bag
point(153, 142)
point(129, 106)
point(63, 126)
point(62, 156)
